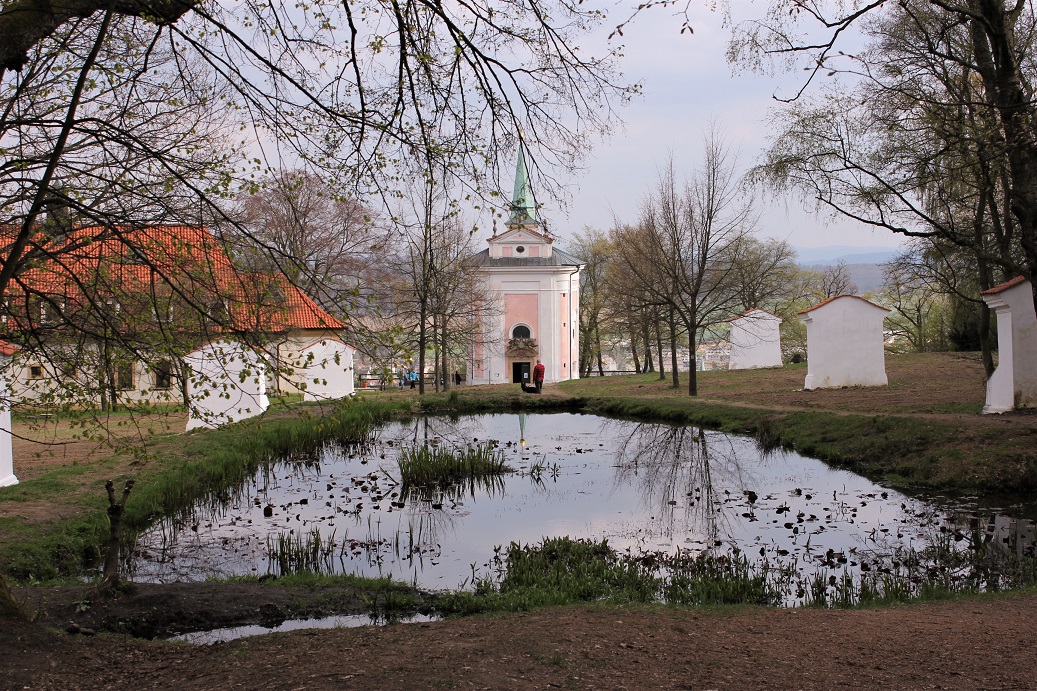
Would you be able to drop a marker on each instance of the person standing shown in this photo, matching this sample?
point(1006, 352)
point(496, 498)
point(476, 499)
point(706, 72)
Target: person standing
point(538, 375)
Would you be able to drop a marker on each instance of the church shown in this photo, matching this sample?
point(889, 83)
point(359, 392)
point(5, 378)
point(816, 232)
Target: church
point(535, 287)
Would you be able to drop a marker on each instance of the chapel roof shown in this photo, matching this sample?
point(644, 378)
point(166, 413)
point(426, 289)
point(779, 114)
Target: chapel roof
point(558, 257)
point(523, 205)
point(837, 297)
point(185, 259)
point(1004, 286)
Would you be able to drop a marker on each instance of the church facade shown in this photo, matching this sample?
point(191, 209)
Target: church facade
point(534, 288)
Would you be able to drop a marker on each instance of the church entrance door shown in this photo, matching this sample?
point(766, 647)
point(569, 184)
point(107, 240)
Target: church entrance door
point(520, 373)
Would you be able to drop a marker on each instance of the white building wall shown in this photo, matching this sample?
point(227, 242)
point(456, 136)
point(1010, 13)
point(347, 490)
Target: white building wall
point(227, 384)
point(844, 343)
point(1014, 382)
point(7, 476)
point(755, 340)
point(326, 369)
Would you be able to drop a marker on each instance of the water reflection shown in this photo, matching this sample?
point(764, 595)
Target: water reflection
point(644, 487)
point(679, 467)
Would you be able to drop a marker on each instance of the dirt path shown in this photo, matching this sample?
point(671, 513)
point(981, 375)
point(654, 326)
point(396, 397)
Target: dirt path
point(964, 644)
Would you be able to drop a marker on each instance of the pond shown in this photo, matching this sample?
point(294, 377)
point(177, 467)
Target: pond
point(643, 487)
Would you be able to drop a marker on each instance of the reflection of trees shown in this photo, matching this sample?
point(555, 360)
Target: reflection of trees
point(681, 465)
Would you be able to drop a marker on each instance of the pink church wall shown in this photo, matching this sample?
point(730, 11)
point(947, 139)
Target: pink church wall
point(521, 309)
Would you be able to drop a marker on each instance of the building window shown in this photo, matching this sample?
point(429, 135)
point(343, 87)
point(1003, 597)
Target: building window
point(520, 249)
point(124, 376)
point(521, 331)
point(163, 375)
point(35, 371)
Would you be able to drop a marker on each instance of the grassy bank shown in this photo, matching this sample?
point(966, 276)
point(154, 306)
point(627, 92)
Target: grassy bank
point(177, 472)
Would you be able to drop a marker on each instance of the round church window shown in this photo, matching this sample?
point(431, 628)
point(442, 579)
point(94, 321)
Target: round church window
point(520, 249)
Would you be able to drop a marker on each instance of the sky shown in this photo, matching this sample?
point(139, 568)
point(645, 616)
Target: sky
point(687, 84)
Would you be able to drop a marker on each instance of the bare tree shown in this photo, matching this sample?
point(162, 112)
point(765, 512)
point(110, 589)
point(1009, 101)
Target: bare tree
point(593, 248)
point(126, 115)
point(297, 225)
point(684, 251)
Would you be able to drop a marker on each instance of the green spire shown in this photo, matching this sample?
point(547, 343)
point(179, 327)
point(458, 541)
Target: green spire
point(523, 206)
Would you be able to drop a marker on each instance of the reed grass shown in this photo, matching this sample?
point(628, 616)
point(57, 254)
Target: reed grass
point(292, 553)
point(562, 571)
point(440, 467)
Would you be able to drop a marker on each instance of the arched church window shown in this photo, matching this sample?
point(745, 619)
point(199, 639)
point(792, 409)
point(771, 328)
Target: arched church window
point(521, 331)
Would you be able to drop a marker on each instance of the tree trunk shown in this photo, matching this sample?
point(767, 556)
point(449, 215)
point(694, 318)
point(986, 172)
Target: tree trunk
point(110, 574)
point(659, 346)
point(422, 342)
point(998, 64)
point(597, 351)
point(445, 369)
point(633, 352)
point(435, 353)
point(693, 375)
point(673, 352)
point(649, 362)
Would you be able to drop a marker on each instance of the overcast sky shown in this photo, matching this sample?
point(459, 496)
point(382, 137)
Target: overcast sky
point(687, 84)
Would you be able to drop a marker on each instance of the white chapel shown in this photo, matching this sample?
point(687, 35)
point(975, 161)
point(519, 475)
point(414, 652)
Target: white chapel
point(535, 287)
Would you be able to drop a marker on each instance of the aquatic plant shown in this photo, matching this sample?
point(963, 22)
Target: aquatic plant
point(564, 571)
point(439, 466)
point(292, 552)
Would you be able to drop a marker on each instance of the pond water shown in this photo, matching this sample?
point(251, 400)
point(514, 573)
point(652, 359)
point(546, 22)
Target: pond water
point(345, 621)
point(644, 487)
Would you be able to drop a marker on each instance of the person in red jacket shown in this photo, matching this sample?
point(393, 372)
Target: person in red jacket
point(538, 375)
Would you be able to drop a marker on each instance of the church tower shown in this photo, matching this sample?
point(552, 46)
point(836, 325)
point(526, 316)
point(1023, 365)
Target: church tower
point(535, 287)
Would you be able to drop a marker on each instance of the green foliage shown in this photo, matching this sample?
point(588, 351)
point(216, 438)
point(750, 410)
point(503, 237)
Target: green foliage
point(562, 571)
point(439, 466)
point(301, 553)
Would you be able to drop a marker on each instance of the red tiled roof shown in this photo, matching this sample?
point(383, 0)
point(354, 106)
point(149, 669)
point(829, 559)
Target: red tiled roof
point(1004, 286)
point(7, 349)
point(836, 297)
point(186, 259)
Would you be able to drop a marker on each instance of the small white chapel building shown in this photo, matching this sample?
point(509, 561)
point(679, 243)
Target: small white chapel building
point(1014, 382)
point(536, 286)
point(755, 340)
point(845, 345)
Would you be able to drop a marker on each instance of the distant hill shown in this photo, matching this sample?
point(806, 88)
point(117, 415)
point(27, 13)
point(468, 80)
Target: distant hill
point(863, 263)
point(868, 277)
point(833, 254)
